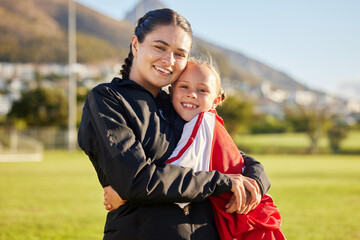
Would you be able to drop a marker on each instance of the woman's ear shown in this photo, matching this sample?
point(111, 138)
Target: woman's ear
point(134, 45)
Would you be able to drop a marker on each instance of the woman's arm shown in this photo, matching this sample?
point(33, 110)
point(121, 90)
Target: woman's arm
point(125, 165)
point(255, 170)
point(206, 145)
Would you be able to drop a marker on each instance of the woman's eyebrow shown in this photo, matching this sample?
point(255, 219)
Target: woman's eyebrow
point(168, 45)
point(163, 42)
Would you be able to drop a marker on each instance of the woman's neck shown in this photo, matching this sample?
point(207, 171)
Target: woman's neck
point(142, 82)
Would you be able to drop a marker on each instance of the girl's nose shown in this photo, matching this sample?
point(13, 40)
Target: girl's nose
point(192, 94)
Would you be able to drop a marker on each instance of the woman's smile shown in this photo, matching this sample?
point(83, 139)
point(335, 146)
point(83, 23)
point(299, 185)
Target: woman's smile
point(163, 70)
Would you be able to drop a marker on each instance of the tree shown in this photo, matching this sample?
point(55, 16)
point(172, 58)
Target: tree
point(236, 114)
point(336, 134)
point(311, 121)
point(265, 123)
point(41, 107)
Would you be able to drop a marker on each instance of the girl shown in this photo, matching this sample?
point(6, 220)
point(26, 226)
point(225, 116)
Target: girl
point(128, 134)
point(206, 145)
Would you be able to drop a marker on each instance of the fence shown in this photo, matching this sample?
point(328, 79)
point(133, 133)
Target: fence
point(28, 145)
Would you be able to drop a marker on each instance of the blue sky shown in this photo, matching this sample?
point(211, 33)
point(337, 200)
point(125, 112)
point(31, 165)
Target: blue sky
point(315, 42)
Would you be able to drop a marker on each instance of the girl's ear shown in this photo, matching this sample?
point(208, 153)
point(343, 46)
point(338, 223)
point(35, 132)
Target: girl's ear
point(216, 102)
point(134, 45)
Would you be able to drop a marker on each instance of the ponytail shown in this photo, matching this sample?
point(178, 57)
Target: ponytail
point(125, 71)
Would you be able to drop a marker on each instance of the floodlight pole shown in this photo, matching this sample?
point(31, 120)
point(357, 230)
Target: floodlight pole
point(72, 77)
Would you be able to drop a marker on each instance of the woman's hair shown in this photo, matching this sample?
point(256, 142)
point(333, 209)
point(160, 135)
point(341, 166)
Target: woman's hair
point(148, 23)
point(208, 62)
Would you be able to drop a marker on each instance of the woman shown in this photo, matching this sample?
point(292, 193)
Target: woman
point(128, 130)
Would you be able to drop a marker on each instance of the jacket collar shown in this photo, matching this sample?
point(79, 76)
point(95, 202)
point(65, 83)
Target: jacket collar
point(129, 83)
point(125, 82)
point(163, 99)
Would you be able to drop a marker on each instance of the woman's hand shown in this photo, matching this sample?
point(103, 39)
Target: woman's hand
point(112, 199)
point(237, 202)
point(246, 194)
point(253, 195)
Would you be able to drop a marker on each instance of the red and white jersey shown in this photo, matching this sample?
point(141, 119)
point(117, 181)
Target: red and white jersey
point(206, 145)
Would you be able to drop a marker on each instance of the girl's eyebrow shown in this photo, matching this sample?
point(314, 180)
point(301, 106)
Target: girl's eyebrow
point(205, 85)
point(168, 45)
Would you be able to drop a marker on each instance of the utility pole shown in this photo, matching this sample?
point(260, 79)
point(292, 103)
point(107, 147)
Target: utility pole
point(72, 77)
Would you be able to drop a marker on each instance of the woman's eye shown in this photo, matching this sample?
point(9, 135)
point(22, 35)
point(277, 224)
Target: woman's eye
point(180, 54)
point(160, 47)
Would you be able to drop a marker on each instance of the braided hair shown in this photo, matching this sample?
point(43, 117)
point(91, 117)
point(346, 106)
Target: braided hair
point(147, 24)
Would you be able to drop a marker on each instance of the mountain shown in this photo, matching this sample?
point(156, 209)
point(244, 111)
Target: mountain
point(231, 63)
point(141, 8)
point(256, 79)
point(349, 89)
point(252, 67)
point(36, 31)
point(32, 29)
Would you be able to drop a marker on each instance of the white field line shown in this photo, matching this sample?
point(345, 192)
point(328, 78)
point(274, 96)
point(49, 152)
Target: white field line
point(21, 157)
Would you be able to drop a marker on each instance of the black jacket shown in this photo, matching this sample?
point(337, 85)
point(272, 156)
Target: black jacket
point(127, 140)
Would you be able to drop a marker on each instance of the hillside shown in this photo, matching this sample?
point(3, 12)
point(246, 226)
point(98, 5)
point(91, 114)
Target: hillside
point(36, 31)
point(141, 8)
point(254, 68)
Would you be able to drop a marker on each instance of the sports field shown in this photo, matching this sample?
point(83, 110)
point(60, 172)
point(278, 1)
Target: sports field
point(60, 197)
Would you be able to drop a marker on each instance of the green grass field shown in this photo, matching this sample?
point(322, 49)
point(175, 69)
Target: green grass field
point(317, 195)
point(294, 143)
point(60, 198)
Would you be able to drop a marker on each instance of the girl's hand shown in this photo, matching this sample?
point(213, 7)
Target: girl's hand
point(112, 199)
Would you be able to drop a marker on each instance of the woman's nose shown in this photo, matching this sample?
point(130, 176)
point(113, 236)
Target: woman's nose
point(169, 58)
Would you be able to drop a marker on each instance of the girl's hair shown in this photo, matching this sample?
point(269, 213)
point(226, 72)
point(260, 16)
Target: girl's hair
point(148, 23)
point(208, 62)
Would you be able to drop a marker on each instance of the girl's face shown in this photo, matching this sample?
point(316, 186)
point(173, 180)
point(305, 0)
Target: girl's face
point(195, 91)
point(160, 58)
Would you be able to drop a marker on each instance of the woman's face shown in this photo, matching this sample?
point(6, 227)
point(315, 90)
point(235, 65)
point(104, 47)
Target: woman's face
point(160, 58)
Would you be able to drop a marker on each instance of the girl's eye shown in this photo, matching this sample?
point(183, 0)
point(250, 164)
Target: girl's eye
point(202, 90)
point(183, 86)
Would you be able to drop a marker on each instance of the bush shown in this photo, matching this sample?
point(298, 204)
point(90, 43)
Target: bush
point(267, 124)
point(336, 134)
